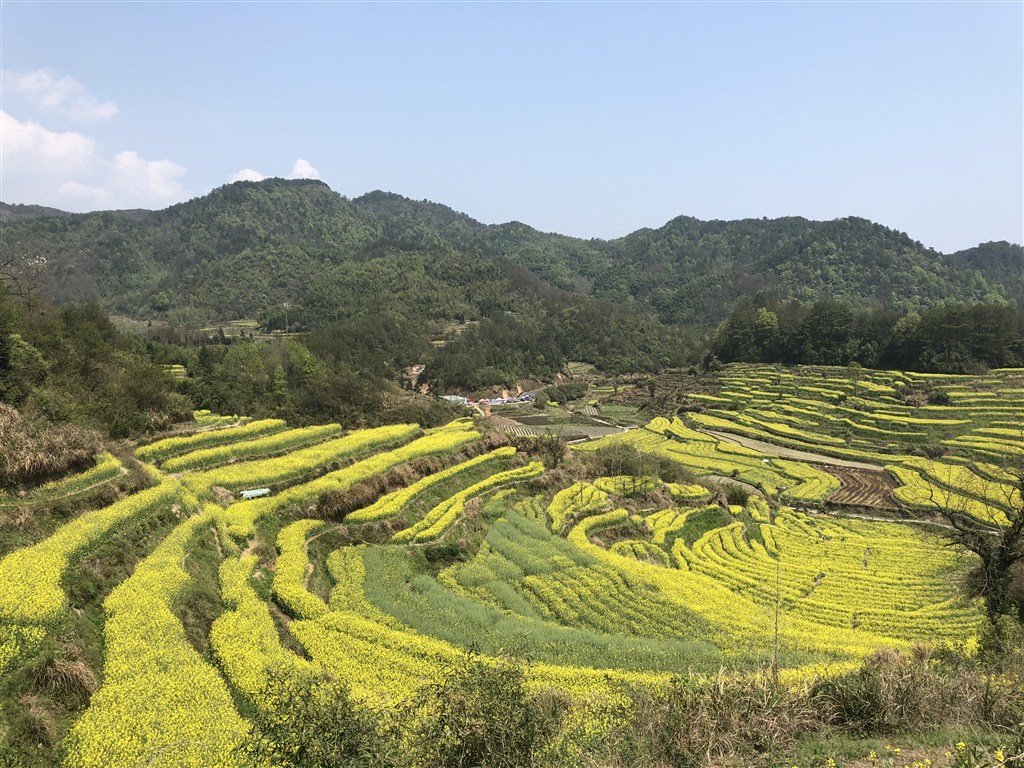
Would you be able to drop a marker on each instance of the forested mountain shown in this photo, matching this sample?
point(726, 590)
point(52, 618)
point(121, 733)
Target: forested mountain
point(247, 248)
point(946, 339)
point(374, 280)
point(693, 269)
point(11, 212)
point(999, 261)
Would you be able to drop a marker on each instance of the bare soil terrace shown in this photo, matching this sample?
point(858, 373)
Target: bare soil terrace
point(862, 488)
point(863, 485)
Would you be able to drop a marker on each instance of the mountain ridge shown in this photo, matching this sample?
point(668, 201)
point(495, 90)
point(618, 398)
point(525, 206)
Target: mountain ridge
point(12, 211)
point(247, 247)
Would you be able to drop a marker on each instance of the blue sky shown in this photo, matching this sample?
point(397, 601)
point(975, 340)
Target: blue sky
point(589, 119)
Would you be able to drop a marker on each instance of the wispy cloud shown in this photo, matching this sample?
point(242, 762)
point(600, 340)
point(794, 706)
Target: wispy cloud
point(303, 170)
point(60, 95)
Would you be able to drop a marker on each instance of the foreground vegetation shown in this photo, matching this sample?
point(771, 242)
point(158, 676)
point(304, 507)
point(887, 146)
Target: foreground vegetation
point(436, 597)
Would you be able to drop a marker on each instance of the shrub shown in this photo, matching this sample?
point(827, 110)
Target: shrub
point(737, 494)
point(690, 723)
point(892, 692)
point(313, 723)
point(564, 393)
point(479, 714)
point(624, 459)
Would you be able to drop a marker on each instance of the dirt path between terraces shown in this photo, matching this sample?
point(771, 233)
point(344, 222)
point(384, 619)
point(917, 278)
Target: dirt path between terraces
point(790, 453)
point(733, 481)
point(15, 502)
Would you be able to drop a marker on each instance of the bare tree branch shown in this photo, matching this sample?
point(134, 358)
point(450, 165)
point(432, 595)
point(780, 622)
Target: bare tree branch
point(20, 274)
point(988, 520)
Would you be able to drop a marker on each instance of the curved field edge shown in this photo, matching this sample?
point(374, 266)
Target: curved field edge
point(141, 609)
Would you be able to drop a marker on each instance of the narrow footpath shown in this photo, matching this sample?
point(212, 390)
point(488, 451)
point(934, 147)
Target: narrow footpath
point(790, 453)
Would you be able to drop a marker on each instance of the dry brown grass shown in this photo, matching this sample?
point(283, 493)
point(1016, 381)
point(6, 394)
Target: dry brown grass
point(35, 450)
point(737, 720)
point(63, 677)
point(41, 722)
point(698, 723)
point(894, 692)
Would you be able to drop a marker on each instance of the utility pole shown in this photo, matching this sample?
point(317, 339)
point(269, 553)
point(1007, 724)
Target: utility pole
point(284, 349)
point(778, 610)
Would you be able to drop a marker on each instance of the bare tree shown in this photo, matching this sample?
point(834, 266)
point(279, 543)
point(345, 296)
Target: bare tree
point(988, 520)
point(7, 267)
point(21, 275)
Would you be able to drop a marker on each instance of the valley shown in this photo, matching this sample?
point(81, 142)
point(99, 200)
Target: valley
point(382, 556)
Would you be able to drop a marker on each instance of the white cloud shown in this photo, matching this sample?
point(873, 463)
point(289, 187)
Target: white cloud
point(303, 170)
point(83, 194)
point(147, 182)
point(67, 170)
point(248, 174)
point(61, 95)
point(34, 145)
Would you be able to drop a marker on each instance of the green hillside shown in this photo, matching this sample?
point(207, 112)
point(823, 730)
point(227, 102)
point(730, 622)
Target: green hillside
point(248, 247)
point(1001, 261)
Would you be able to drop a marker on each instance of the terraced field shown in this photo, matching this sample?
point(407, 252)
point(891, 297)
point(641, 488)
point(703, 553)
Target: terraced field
point(959, 426)
point(860, 488)
point(596, 583)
